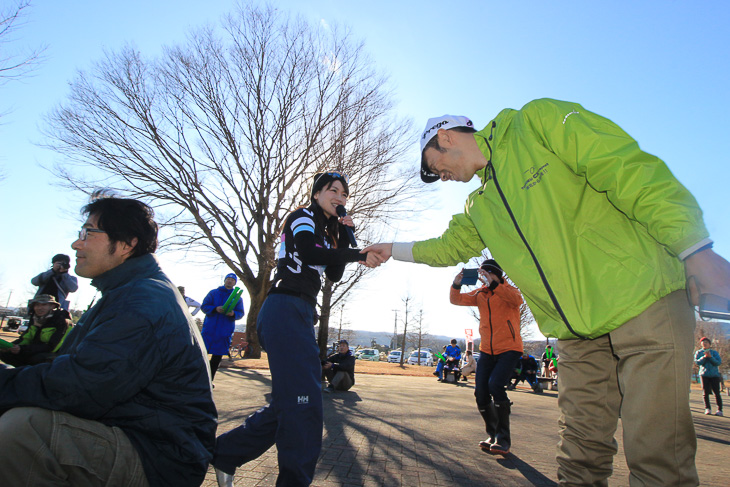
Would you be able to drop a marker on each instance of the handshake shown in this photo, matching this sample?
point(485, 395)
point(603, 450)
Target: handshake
point(377, 254)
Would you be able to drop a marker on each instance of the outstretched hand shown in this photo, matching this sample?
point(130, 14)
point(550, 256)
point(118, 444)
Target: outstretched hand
point(383, 250)
point(372, 260)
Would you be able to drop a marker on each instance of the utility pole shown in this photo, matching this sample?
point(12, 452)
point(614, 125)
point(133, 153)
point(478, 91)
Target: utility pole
point(339, 331)
point(11, 295)
point(405, 331)
point(420, 334)
point(394, 341)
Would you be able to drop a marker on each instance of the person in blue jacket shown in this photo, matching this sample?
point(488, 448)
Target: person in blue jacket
point(314, 241)
point(439, 372)
point(218, 326)
point(453, 356)
point(127, 400)
point(709, 362)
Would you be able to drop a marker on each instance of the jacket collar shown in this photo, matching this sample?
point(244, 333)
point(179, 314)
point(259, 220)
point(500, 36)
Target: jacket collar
point(488, 137)
point(137, 267)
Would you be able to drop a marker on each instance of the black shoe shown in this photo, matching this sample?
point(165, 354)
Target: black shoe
point(435, 373)
point(499, 449)
point(486, 444)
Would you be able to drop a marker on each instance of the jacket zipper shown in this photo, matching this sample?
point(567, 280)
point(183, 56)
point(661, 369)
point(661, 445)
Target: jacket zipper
point(492, 174)
point(491, 329)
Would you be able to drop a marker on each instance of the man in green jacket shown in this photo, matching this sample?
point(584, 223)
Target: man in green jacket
point(601, 239)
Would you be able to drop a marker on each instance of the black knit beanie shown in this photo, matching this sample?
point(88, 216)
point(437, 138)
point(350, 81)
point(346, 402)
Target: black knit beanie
point(61, 258)
point(490, 265)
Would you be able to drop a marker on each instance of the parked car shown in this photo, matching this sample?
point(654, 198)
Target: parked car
point(368, 354)
point(394, 356)
point(426, 358)
point(13, 323)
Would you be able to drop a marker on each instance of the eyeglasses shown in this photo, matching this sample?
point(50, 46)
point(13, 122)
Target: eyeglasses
point(84, 232)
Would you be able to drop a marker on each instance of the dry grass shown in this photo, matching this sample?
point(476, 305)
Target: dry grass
point(362, 367)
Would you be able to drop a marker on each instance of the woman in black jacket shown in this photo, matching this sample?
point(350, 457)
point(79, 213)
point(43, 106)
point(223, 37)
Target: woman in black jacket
point(314, 241)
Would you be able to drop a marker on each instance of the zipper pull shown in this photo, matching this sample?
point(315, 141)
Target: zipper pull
point(487, 176)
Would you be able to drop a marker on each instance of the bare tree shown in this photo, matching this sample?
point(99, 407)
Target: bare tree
point(224, 133)
point(342, 332)
point(419, 334)
point(15, 65)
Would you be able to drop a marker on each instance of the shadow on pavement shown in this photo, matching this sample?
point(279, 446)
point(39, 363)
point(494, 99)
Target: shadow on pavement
point(512, 461)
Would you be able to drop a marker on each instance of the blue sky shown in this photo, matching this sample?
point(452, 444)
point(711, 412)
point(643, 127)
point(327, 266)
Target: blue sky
point(657, 68)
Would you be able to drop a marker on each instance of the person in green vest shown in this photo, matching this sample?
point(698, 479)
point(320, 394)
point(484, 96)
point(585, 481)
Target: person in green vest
point(44, 336)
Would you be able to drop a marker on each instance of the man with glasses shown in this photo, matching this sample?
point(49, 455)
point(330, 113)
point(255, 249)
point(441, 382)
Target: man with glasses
point(127, 401)
point(602, 240)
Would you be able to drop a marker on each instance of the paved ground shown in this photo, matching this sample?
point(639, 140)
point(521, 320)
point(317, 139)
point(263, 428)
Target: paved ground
point(413, 431)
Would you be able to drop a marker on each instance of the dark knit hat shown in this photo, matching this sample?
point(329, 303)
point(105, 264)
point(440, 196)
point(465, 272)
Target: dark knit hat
point(343, 341)
point(322, 179)
point(490, 265)
point(61, 258)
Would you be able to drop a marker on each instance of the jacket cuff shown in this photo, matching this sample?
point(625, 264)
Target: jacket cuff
point(403, 251)
point(705, 243)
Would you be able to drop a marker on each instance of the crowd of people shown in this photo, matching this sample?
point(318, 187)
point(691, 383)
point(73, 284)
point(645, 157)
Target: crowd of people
point(603, 242)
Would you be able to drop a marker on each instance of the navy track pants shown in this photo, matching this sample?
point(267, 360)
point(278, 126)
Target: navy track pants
point(293, 420)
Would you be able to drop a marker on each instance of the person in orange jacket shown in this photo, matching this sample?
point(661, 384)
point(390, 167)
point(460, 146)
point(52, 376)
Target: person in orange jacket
point(501, 348)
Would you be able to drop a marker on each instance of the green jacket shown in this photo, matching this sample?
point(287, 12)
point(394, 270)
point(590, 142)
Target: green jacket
point(584, 222)
point(47, 337)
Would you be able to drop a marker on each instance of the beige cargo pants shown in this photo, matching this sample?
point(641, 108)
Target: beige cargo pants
point(51, 448)
point(640, 372)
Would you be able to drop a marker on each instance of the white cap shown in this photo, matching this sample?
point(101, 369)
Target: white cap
point(433, 125)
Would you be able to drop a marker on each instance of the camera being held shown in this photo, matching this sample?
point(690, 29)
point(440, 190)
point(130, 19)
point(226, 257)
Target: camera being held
point(57, 281)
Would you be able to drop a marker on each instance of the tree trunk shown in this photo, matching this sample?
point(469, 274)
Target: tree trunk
point(257, 290)
point(254, 347)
